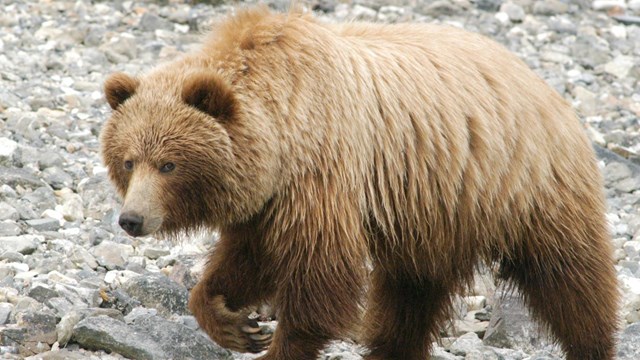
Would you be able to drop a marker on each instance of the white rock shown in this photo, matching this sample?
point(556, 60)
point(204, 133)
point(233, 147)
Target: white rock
point(608, 4)
point(620, 66)
point(619, 31)
point(7, 148)
point(72, 206)
point(502, 17)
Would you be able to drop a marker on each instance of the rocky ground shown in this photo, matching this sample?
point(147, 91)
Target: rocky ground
point(74, 286)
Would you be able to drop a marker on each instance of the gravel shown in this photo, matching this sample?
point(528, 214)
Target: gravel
point(74, 286)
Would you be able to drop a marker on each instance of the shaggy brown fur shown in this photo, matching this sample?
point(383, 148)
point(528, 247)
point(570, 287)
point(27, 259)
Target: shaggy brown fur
point(316, 148)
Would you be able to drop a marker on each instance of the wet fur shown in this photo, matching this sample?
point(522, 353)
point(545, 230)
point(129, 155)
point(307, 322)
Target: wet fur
point(422, 149)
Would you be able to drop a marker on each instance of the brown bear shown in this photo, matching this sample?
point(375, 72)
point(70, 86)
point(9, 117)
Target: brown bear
point(320, 152)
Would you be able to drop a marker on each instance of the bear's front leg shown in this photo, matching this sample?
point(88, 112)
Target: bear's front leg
point(232, 284)
point(319, 293)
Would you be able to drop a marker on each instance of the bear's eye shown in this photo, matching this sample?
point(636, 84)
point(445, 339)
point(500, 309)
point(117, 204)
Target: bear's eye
point(168, 167)
point(128, 165)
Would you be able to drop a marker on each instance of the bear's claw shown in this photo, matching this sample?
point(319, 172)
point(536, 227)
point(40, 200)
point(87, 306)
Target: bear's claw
point(246, 338)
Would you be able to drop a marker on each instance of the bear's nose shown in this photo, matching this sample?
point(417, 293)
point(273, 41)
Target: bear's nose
point(131, 223)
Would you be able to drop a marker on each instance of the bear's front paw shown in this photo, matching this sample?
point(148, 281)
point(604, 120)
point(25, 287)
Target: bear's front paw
point(248, 337)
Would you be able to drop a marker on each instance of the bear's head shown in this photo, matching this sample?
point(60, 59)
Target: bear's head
point(183, 153)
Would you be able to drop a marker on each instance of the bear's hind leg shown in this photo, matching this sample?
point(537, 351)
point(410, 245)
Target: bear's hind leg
point(404, 315)
point(571, 289)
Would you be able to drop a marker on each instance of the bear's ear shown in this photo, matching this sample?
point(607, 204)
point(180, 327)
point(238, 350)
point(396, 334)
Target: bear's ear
point(118, 88)
point(209, 94)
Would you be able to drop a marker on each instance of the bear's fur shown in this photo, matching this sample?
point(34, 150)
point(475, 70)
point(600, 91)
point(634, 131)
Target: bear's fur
point(318, 149)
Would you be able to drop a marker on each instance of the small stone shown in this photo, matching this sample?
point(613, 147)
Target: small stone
point(550, 7)
point(363, 13)
point(511, 324)
point(629, 344)
point(515, 12)
point(80, 257)
point(12, 256)
point(72, 206)
point(620, 66)
point(19, 177)
point(152, 22)
point(587, 101)
point(42, 293)
point(488, 5)
point(44, 224)
point(604, 5)
point(23, 244)
point(465, 344)
point(439, 8)
point(632, 248)
point(8, 148)
point(159, 292)
point(112, 255)
point(57, 178)
point(5, 311)
point(150, 337)
point(153, 253)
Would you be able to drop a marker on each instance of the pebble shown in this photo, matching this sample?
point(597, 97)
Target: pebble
point(73, 286)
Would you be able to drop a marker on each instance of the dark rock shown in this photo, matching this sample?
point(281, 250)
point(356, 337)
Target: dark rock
point(159, 292)
point(42, 293)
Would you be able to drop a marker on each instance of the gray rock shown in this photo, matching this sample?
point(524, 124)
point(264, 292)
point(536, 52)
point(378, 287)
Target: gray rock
point(9, 228)
point(439, 8)
point(5, 311)
point(19, 177)
point(550, 7)
point(150, 337)
point(154, 253)
point(80, 257)
point(112, 255)
point(151, 22)
point(47, 224)
point(629, 343)
point(465, 343)
point(12, 256)
point(512, 326)
point(42, 293)
point(488, 5)
point(105, 333)
point(57, 178)
point(159, 292)
point(514, 11)
point(23, 244)
point(8, 212)
point(8, 149)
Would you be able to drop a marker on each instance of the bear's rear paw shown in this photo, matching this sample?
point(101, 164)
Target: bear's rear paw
point(246, 338)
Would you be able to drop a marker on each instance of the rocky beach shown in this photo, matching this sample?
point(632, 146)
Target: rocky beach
point(73, 285)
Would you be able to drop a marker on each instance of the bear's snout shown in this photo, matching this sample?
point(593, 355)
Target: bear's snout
point(131, 223)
